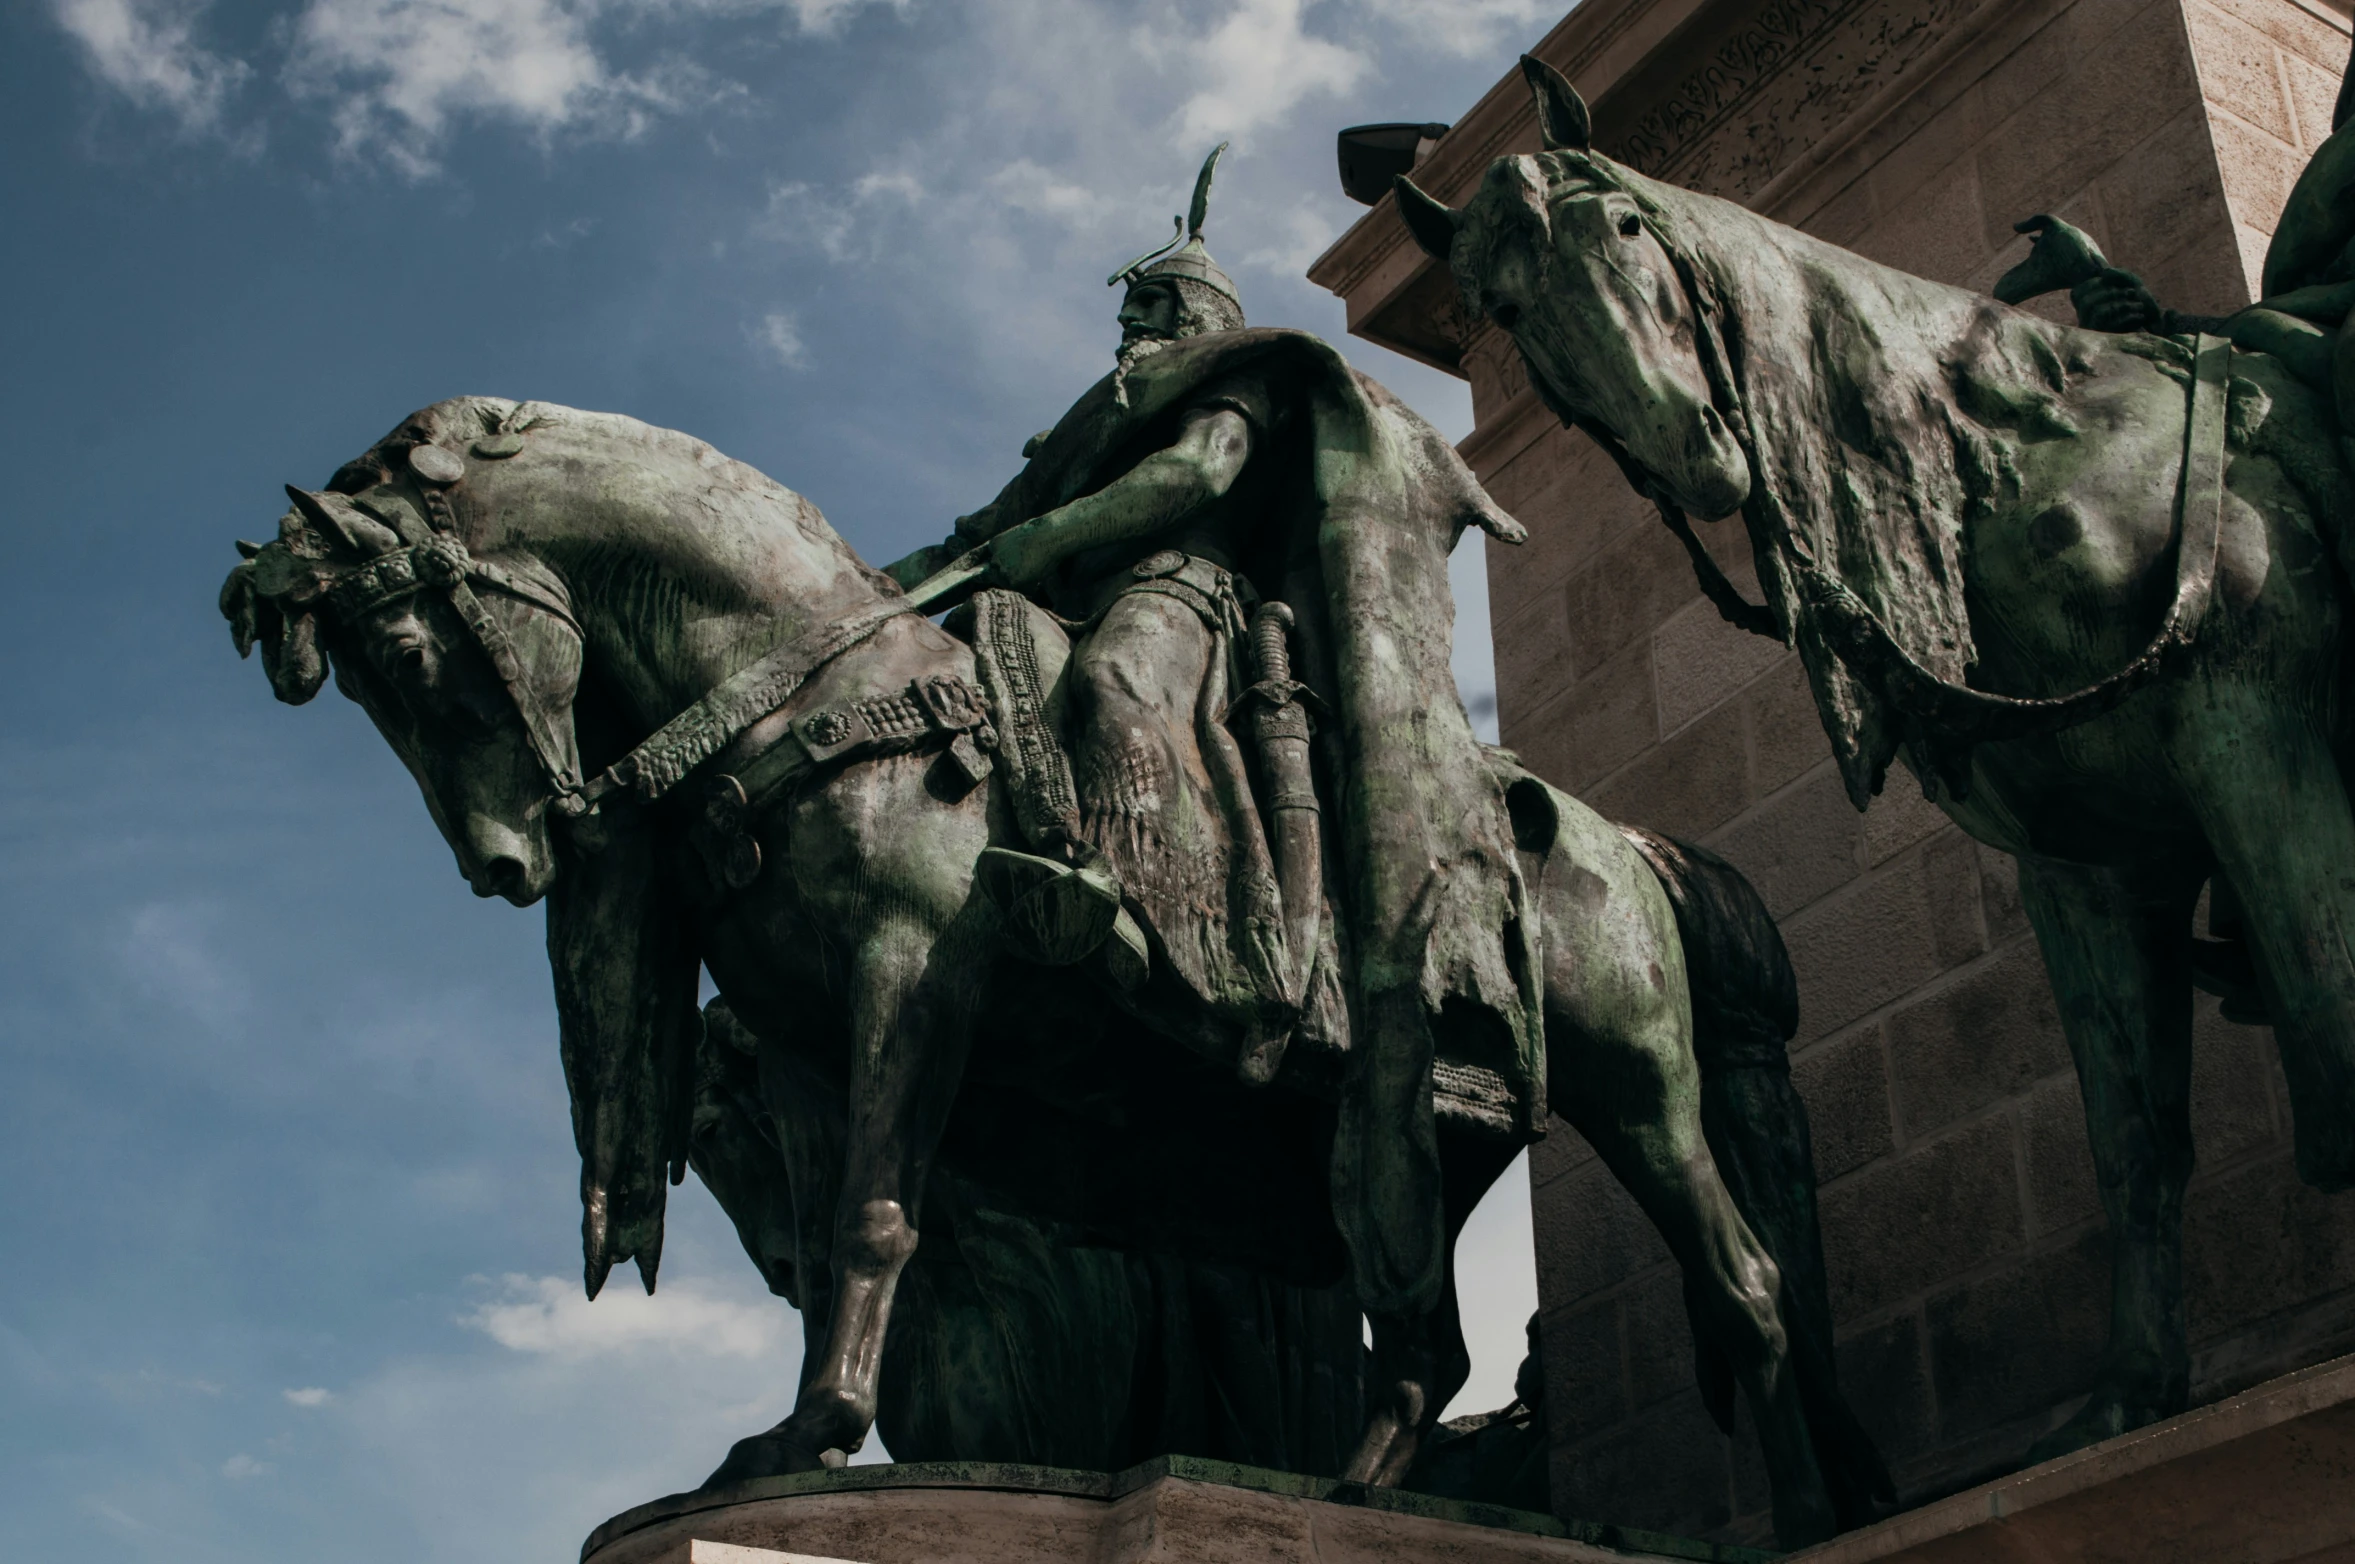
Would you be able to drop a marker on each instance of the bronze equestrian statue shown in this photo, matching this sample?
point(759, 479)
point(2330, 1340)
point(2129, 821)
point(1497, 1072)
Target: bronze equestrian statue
point(1164, 932)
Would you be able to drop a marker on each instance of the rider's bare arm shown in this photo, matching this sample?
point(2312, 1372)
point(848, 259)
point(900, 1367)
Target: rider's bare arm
point(1160, 491)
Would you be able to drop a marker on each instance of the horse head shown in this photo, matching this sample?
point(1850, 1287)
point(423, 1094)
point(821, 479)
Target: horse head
point(1569, 254)
point(467, 666)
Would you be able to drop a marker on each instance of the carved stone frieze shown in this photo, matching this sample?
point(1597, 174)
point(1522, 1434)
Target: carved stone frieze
point(1783, 80)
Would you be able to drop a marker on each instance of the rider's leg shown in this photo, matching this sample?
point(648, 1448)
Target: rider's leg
point(2274, 805)
point(1147, 800)
point(2117, 948)
point(889, 868)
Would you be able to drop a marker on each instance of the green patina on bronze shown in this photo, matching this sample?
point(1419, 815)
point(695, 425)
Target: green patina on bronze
point(1177, 1078)
point(2090, 587)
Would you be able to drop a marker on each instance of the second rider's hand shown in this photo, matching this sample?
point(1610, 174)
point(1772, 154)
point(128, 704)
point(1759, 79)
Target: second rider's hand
point(2116, 300)
point(1022, 556)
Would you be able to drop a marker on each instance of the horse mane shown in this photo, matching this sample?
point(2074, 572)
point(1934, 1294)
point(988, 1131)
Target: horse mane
point(1869, 401)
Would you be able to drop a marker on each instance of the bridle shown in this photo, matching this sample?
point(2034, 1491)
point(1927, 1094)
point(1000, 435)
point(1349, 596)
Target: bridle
point(437, 560)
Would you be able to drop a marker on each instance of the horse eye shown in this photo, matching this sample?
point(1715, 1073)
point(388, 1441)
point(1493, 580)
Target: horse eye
point(1630, 225)
point(1506, 315)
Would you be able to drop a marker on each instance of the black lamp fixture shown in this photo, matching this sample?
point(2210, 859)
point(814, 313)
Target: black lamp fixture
point(1373, 155)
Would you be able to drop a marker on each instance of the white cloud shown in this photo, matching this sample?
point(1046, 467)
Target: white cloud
point(827, 16)
point(1465, 28)
point(241, 1466)
point(549, 1316)
point(172, 950)
point(308, 1397)
point(779, 336)
point(146, 50)
point(400, 73)
point(1256, 66)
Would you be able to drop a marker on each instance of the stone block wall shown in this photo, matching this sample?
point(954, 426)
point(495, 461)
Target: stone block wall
point(1967, 1253)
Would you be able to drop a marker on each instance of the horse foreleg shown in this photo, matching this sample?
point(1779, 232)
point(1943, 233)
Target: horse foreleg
point(2117, 950)
point(1419, 1361)
point(891, 873)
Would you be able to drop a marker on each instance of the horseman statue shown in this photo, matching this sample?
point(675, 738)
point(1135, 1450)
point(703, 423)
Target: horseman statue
point(1128, 985)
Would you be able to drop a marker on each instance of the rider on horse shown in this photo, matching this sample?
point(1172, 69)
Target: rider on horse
point(1216, 470)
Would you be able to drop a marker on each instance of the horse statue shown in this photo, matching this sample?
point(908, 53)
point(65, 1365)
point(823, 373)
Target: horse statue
point(653, 687)
point(2089, 586)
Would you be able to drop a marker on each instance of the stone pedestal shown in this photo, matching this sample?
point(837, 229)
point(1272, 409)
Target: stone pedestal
point(2266, 1477)
point(1170, 1511)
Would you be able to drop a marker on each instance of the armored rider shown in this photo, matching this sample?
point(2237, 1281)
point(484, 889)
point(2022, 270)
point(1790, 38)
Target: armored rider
point(1219, 465)
point(1151, 564)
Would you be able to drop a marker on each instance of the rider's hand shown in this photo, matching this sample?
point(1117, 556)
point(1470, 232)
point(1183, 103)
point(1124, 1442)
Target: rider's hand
point(922, 565)
point(2116, 300)
point(1023, 556)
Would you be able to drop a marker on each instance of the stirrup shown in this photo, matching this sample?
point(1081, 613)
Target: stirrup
point(1058, 916)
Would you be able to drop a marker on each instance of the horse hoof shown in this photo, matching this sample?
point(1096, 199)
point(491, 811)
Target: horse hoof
point(765, 1455)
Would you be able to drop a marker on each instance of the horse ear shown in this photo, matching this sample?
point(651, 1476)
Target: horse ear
point(337, 518)
point(1432, 221)
point(1562, 121)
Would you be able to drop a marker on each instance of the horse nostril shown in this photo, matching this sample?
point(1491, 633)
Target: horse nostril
point(1507, 315)
point(501, 877)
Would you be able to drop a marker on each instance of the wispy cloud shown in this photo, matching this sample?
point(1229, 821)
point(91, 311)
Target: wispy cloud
point(241, 1466)
point(1253, 68)
point(147, 51)
point(1465, 27)
point(309, 1396)
point(548, 1316)
point(173, 952)
point(778, 335)
point(827, 16)
point(400, 73)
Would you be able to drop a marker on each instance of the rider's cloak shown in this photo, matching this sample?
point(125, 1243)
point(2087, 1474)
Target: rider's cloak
point(1437, 922)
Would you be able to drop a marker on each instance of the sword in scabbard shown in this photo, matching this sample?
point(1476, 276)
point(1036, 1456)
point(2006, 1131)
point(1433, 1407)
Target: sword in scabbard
point(1280, 725)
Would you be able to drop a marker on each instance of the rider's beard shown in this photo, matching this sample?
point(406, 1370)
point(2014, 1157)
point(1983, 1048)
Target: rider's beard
point(1137, 343)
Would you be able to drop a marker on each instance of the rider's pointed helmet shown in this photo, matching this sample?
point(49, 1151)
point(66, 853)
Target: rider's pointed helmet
point(1185, 259)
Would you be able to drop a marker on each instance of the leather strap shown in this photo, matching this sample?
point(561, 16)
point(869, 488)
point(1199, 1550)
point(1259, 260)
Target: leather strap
point(731, 706)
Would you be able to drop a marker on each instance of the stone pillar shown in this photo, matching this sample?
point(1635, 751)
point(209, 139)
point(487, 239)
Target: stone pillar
point(1966, 1249)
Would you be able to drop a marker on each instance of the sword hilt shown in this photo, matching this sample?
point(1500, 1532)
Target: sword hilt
point(1269, 652)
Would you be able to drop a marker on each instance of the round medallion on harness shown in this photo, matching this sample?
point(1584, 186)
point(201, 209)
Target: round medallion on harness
point(1166, 562)
point(829, 727)
point(435, 465)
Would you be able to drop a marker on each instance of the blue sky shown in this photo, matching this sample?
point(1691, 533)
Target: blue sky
point(289, 1188)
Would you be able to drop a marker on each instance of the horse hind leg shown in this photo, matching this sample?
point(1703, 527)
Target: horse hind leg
point(1621, 1068)
point(1745, 1005)
point(2116, 947)
point(2274, 806)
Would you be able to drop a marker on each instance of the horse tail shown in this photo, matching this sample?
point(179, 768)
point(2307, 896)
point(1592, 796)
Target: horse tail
point(1745, 1003)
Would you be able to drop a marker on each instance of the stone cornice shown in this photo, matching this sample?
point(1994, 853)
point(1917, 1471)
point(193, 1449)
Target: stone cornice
point(1593, 46)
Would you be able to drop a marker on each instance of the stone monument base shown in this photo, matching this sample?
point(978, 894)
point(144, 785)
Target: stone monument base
point(1166, 1511)
point(2264, 1477)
